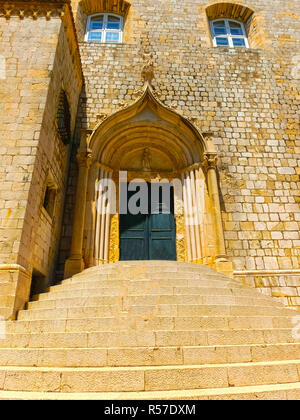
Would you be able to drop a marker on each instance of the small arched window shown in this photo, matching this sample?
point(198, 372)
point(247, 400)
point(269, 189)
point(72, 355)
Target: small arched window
point(228, 33)
point(104, 27)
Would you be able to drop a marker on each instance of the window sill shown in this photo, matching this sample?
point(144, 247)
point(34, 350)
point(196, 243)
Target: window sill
point(234, 50)
point(102, 43)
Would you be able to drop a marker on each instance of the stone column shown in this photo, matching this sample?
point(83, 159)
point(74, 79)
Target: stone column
point(210, 161)
point(90, 216)
point(75, 263)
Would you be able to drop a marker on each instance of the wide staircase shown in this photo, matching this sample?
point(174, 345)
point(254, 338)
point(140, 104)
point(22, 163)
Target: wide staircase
point(151, 330)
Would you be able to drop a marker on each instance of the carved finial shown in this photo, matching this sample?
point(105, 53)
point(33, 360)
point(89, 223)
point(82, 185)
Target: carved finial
point(48, 15)
point(148, 69)
point(21, 14)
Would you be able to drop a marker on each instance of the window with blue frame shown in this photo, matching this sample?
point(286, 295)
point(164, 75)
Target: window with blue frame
point(228, 33)
point(105, 28)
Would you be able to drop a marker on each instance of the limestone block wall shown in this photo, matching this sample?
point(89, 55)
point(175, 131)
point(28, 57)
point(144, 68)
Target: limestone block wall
point(53, 161)
point(247, 98)
point(38, 64)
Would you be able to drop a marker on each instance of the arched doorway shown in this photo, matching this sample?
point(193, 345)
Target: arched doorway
point(151, 143)
point(147, 232)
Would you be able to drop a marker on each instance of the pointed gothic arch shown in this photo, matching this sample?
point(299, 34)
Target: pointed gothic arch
point(148, 123)
point(149, 141)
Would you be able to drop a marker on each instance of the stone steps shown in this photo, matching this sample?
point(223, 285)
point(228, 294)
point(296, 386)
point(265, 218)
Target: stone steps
point(287, 392)
point(147, 283)
point(147, 356)
point(36, 313)
point(143, 338)
point(151, 330)
point(130, 300)
point(155, 289)
point(91, 324)
point(148, 378)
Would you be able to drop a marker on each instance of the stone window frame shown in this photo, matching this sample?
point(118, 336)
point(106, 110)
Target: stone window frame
point(49, 197)
point(229, 36)
point(104, 31)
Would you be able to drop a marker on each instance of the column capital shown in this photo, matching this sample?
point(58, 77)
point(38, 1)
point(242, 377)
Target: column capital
point(84, 158)
point(210, 160)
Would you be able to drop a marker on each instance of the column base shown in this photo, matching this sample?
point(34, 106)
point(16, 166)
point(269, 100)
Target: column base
point(222, 265)
point(14, 294)
point(73, 266)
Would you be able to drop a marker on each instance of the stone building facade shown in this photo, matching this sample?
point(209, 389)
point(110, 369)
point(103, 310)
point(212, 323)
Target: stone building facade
point(224, 120)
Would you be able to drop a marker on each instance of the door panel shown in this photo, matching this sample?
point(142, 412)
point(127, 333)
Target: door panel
point(149, 237)
point(133, 232)
point(162, 237)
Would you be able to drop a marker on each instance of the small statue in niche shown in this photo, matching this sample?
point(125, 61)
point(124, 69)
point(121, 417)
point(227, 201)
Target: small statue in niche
point(148, 72)
point(146, 159)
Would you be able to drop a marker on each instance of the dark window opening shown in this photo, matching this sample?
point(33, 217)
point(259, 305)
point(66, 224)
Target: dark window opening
point(49, 200)
point(64, 119)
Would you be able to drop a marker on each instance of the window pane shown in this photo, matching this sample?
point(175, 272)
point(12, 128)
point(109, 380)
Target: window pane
point(220, 28)
point(222, 42)
point(113, 23)
point(112, 37)
point(96, 22)
point(239, 42)
point(236, 28)
point(95, 36)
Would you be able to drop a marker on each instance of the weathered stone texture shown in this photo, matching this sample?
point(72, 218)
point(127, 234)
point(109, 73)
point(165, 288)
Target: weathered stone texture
point(248, 99)
point(30, 147)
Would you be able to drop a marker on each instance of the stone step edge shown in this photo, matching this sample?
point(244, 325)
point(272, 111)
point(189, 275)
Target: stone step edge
point(147, 368)
point(159, 395)
point(138, 347)
point(123, 316)
point(89, 287)
point(92, 308)
point(137, 331)
point(64, 294)
point(261, 299)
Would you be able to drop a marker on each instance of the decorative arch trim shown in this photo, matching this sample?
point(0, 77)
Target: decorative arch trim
point(167, 125)
point(228, 10)
point(118, 7)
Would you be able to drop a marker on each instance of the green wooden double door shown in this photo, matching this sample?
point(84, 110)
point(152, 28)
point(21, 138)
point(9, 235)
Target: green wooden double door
point(149, 236)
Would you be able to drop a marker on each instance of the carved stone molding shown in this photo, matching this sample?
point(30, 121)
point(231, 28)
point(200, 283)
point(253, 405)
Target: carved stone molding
point(229, 10)
point(104, 167)
point(210, 160)
point(84, 158)
point(119, 7)
point(33, 9)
